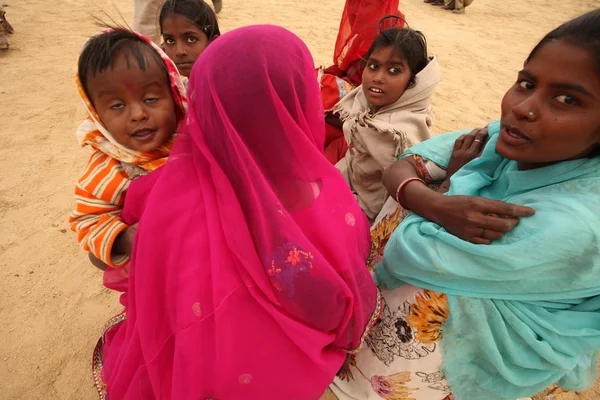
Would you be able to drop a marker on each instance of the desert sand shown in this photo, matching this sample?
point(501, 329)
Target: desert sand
point(52, 302)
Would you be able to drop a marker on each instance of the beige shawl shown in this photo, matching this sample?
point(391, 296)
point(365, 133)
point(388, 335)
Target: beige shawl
point(376, 140)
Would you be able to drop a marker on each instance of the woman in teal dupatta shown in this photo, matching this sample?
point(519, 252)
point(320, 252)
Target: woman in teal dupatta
point(497, 282)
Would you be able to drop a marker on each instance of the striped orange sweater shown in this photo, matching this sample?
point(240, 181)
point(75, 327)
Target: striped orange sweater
point(99, 199)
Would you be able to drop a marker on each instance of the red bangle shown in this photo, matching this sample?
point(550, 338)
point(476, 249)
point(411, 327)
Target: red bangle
point(402, 185)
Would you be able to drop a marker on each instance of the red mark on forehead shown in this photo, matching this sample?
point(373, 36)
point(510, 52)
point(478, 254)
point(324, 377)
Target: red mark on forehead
point(128, 85)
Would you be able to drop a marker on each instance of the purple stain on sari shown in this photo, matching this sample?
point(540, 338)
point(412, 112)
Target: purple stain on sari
point(287, 264)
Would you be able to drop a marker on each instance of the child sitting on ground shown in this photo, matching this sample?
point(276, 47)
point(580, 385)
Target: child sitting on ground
point(187, 27)
point(388, 113)
point(135, 101)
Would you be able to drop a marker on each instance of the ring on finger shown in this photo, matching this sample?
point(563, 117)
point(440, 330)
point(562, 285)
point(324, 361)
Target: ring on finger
point(494, 215)
point(478, 140)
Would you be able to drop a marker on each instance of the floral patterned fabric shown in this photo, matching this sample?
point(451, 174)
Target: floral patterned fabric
point(402, 358)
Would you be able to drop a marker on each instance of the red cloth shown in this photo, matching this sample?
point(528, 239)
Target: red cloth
point(331, 94)
point(330, 90)
point(358, 28)
point(337, 148)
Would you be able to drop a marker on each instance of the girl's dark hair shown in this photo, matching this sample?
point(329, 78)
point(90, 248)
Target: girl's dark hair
point(101, 51)
point(583, 31)
point(196, 11)
point(405, 42)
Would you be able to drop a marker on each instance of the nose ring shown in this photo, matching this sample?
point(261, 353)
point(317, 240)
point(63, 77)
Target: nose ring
point(531, 114)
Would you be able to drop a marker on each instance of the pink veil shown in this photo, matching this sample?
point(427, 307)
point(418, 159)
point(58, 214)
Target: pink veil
point(248, 278)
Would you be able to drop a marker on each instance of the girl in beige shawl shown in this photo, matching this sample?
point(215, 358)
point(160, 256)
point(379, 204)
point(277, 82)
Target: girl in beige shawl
point(388, 113)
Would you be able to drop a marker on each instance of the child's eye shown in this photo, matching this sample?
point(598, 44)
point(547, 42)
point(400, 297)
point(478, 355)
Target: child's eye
point(117, 106)
point(169, 41)
point(525, 84)
point(151, 100)
point(394, 71)
point(566, 99)
point(373, 66)
point(192, 39)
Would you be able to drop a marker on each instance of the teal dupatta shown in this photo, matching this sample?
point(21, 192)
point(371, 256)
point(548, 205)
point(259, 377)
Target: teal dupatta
point(524, 310)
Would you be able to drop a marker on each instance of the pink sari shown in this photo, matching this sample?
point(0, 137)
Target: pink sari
point(248, 279)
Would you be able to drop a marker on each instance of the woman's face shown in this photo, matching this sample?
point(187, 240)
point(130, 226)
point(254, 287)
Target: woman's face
point(552, 112)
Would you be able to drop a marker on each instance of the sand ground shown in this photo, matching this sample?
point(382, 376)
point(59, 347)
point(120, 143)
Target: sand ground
point(52, 303)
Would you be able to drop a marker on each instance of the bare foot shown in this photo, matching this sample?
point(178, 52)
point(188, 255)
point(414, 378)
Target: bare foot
point(449, 6)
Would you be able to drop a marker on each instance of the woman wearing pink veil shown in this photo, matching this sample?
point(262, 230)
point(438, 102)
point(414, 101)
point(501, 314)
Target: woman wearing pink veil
point(248, 277)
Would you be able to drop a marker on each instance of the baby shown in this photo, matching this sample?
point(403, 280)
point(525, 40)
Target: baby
point(135, 101)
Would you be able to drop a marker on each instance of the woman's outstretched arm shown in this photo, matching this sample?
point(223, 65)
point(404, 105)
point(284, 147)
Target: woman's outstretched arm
point(470, 218)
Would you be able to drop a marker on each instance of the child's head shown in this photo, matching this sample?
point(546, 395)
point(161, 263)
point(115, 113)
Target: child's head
point(394, 59)
point(552, 112)
point(128, 85)
point(187, 27)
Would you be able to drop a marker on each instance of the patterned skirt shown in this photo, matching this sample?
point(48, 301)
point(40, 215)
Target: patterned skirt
point(401, 359)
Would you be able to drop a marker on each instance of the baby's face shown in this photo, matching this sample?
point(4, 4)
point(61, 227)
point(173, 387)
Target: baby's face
point(135, 105)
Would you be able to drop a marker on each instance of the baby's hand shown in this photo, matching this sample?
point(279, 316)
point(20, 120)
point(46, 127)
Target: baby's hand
point(124, 242)
point(98, 263)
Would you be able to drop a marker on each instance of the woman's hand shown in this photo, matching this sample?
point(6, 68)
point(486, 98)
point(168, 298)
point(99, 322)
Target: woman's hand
point(466, 148)
point(476, 219)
